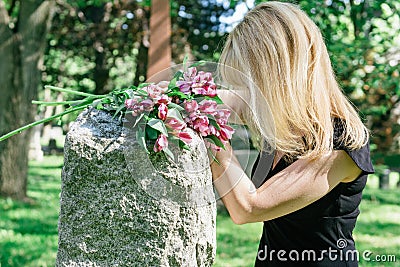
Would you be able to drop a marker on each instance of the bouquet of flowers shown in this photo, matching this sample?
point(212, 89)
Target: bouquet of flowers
point(164, 110)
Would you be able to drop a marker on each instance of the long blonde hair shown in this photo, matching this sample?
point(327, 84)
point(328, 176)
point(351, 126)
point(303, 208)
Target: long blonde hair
point(286, 69)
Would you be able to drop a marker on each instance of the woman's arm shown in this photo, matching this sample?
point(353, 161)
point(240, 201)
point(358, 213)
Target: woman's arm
point(295, 187)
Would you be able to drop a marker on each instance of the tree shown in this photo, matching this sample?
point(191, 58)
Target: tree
point(197, 28)
point(94, 45)
point(100, 45)
point(160, 37)
point(23, 29)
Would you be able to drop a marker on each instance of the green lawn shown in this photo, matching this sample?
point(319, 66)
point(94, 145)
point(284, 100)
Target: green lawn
point(28, 232)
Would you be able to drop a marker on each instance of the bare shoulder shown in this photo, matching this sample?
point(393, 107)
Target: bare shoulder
point(340, 167)
point(337, 166)
point(351, 168)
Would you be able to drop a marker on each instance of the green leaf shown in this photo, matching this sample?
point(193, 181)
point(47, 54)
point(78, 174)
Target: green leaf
point(183, 145)
point(120, 108)
point(97, 104)
point(143, 85)
point(107, 100)
point(213, 122)
point(138, 119)
point(151, 133)
point(174, 113)
point(199, 98)
point(172, 84)
point(158, 125)
point(129, 93)
point(114, 99)
point(211, 154)
point(198, 63)
point(216, 99)
point(178, 74)
point(168, 153)
point(178, 94)
point(185, 59)
point(213, 139)
point(140, 138)
point(175, 106)
point(141, 92)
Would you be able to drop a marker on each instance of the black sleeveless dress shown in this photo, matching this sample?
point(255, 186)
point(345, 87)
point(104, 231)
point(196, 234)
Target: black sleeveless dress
point(319, 234)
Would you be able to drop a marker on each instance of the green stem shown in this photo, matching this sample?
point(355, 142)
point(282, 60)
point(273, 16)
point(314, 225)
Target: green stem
point(44, 103)
point(26, 127)
point(72, 91)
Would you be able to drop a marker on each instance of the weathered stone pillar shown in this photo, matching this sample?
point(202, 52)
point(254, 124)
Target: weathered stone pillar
point(120, 207)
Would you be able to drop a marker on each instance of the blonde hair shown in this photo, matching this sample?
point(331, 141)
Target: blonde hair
point(294, 96)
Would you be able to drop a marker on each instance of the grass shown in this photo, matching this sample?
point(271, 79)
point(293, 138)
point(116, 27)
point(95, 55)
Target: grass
point(28, 231)
point(236, 244)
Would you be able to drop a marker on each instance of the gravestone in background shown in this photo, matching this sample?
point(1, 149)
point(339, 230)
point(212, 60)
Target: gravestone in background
point(120, 207)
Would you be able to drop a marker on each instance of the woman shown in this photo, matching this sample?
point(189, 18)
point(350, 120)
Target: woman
point(309, 198)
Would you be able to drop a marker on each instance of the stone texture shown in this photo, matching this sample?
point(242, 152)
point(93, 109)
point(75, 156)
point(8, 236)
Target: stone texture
point(121, 207)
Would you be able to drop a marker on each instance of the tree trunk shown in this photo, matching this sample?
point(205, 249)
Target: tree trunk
point(143, 47)
point(160, 37)
point(101, 72)
point(384, 179)
point(21, 52)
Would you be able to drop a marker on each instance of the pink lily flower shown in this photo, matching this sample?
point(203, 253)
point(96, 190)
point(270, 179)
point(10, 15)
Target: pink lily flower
point(221, 116)
point(186, 84)
point(204, 84)
point(198, 89)
point(213, 130)
point(146, 105)
point(226, 132)
point(152, 91)
point(163, 99)
point(130, 103)
point(190, 74)
point(191, 106)
point(174, 124)
point(211, 90)
point(200, 124)
point(185, 137)
point(162, 111)
point(203, 77)
point(161, 143)
point(208, 106)
point(162, 86)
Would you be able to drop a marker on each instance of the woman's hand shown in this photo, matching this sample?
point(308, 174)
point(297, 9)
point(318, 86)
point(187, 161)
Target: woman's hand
point(235, 102)
point(295, 187)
